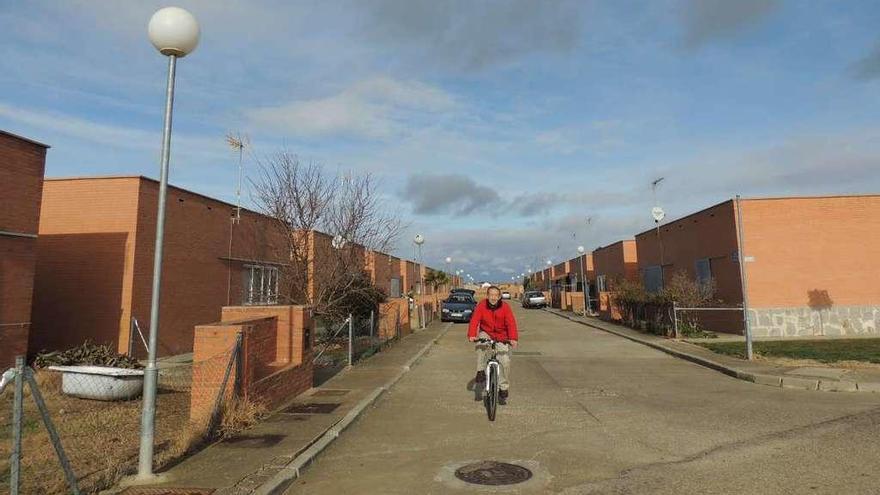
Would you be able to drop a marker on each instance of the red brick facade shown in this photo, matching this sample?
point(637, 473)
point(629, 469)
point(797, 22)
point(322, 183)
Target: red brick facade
point(22, 164)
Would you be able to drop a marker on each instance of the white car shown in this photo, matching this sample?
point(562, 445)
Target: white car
point(534, 299)
point(505, 295)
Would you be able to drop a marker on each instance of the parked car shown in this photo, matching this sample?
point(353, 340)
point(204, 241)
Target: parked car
point(460, 290)
point(534, 299)
point(505, 295)
point(457, 307)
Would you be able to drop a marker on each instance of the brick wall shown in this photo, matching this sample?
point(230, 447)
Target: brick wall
point(22, 164)
point(815, 265)
point(617, 261)
point(265, 379)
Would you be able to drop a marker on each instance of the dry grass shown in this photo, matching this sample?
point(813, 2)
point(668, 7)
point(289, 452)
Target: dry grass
point(239, 416)
point(99, 438)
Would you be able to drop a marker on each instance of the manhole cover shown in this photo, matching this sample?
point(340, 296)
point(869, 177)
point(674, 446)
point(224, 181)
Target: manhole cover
point(137, 490)
point(330, 393)
point(312, 408)
point(493, 473)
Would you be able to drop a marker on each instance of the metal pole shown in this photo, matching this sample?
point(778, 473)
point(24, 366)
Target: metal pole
point(742, 276)
point(372, 325)
point(675, 317)
point(130, 335)
point(53, 433)
point(17, 412)
point(584, 282)
point(350, 337)
point(151, 374)
point(421, 282)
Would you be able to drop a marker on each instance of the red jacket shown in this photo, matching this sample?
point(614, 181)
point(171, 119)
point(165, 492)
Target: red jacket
point(499, 323)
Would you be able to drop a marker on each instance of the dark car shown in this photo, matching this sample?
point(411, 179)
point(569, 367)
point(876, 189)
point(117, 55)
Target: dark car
point(463, 291)
point(458, 306)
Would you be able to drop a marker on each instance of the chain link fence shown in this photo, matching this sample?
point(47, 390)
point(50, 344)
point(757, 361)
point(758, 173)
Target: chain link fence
point(96, 417)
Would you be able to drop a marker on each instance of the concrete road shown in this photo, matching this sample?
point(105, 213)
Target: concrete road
point(594, 413)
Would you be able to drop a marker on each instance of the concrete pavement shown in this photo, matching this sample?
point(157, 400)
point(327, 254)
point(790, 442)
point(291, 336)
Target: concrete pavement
point(823, 378)
point(591, 412)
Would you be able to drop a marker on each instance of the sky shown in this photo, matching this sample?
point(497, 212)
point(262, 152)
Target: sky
point(506, 132)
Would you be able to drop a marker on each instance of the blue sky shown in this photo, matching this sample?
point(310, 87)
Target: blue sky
point(496, 128)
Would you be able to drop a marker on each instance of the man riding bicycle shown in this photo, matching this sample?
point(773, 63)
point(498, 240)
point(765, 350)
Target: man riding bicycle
point(493, 319)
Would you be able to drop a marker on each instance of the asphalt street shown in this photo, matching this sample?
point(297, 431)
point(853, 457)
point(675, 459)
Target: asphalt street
point(593, 413)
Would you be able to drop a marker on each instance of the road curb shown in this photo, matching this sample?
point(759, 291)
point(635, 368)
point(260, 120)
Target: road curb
point(801, 383)
point(287, 475)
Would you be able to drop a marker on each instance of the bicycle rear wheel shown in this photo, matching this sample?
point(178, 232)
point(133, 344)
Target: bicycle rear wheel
point(491, 398)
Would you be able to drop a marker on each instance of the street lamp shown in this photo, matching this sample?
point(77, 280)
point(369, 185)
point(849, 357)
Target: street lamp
point(175, 33)
point(419, 240)
point(448, 265)
point(581, 260)
point(549, 274)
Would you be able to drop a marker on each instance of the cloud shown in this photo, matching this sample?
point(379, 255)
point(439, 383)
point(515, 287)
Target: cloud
point(457, 194)
point(115, 136)
point(470, 36)
point(374, 108)
point(709, 20)
point(868, 68)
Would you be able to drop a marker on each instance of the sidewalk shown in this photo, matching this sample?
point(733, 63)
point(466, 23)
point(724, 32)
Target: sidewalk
point(809, 378)
point(265, 458)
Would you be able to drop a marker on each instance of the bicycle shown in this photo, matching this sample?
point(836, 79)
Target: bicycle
point(493, 370)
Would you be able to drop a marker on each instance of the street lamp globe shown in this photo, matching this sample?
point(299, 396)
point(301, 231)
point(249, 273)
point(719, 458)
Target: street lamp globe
point(581, 249)
point(549, 263)
point(448, 259)
point(419, 239)
point(173, 31)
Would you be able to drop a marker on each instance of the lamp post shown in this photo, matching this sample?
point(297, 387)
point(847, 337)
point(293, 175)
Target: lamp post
point(419, 240)
point(448, 266)
point(549, 274)
point(175, 33)
point(582, 259)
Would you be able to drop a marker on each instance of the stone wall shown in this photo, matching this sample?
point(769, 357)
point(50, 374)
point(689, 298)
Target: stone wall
point(806, 321)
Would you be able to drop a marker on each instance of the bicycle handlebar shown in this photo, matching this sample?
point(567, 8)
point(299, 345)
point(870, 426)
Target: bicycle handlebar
point(490, 341)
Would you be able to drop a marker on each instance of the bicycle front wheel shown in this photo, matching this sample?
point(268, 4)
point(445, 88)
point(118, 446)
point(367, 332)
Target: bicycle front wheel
point(491, 398)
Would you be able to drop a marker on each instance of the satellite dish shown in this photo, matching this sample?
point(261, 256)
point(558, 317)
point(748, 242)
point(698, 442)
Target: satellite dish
point(658, 214)
point(338, 242)
point(420, 239)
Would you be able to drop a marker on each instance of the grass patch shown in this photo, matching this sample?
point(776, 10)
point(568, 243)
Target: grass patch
point(823, 351)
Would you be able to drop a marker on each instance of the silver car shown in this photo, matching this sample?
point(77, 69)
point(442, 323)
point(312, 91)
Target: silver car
point(534, 299)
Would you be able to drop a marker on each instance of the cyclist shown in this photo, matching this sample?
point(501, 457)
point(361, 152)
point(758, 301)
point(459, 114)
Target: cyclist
point(493, 319)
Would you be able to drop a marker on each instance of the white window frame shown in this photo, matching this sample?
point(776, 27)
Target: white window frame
point(601, 283)
point(261, 285)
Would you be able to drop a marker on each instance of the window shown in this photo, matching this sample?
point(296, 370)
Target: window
point(260, 284)
point(704, 272)
point(395, 287)
point(601, 284)
point(653, 278)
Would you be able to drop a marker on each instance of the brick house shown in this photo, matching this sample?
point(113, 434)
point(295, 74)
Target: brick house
point(95, 263)
point(811, 262)
point(95, 258)
point(22, 164)
point(612, 263)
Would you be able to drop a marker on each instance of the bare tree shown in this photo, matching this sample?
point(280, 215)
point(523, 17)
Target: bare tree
point(328, 222)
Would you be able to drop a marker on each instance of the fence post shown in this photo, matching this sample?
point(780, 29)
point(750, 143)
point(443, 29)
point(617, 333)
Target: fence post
point(17, 411)
point(372, 325)
point(130, 336)
point(218, 402)
point(350, 339)
point(237, 391)
point(675, 317)
point(53, 433)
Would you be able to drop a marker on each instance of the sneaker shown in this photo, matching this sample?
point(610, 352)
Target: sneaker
point(502, 397)
point(481, 377)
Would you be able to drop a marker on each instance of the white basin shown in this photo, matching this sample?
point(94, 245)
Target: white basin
point(101, 382)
